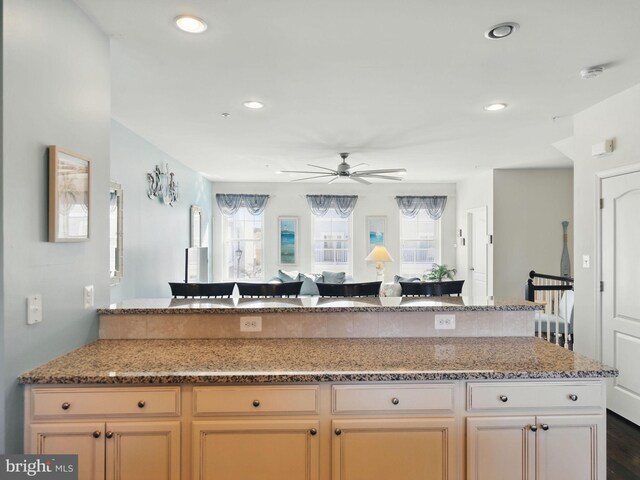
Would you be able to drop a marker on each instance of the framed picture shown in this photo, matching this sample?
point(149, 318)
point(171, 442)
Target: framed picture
point(288, 240)
point(376, 232)
point(69, 189)
point(195, 237)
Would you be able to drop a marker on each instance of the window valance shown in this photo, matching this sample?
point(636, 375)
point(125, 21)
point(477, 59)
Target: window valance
point(411, 205)
point(229, 203)
point(342, 204)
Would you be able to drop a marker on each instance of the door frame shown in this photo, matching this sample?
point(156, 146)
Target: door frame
point(600, 176)
point(470, 244)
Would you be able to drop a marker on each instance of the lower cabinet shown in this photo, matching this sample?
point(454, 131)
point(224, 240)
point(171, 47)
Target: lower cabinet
point(255, 449)
point(114, 450)
point(402, 448)
point(556, 447)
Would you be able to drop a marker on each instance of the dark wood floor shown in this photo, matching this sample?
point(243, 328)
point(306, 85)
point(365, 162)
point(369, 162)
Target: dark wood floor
point(623, 449)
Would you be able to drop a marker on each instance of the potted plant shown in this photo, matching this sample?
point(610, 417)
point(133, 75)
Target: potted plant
point(438, 272)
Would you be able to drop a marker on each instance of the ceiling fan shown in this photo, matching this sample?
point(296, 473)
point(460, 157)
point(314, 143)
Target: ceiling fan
point(345, 170)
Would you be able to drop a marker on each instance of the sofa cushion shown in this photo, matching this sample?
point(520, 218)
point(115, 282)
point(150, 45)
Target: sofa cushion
point(309, 286)
point(333, 277)
point(288, 275)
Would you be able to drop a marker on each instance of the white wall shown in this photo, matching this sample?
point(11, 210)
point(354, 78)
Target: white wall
point(155, 235)
point(616, 117)
point(56, 91)
point(475, 191)
point(288, 199)
point(528, 208)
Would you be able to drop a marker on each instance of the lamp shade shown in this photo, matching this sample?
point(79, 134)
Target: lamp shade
point(379, 254)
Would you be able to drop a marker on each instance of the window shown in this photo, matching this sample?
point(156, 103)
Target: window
point(243, 246)
point(419, 244)
point(331, 243)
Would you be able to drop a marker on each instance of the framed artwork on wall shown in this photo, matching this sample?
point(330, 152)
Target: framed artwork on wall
point(69, 191)
point(287, 240)
point(376, 232)
point(195, 236)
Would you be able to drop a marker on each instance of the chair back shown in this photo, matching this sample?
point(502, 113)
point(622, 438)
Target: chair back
point(256, 290)
point(365, 289)
point(431, 289)
point(202, 290)
point(453, 287)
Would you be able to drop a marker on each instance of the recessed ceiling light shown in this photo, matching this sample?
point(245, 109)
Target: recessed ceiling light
point(502, 30)
point(190, 24)
point(253, 104)
point(494, 107)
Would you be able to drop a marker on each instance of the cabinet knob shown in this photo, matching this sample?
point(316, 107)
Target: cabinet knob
point(503, 398)
point(256, 403)
point(66, 405)
point(338, 431)
point(395, 401)
point(96, 434)
point(141, 404)
point(533, 428)
point(545, 427)
point(313, 431)
point(573, 397)
point(108, 434)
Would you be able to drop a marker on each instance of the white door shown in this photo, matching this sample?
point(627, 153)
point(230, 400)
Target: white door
point(477, 251)
point(620, 298)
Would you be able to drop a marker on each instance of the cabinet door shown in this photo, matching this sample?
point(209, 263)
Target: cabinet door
point(83, 439)
point(255, 449)
point(500, 448)
point(137, 450)
point(383, 449)
point(567, 447)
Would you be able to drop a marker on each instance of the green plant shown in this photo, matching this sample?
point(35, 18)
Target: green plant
point(438, 272)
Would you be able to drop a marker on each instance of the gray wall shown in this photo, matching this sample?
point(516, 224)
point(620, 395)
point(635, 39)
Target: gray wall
point(155, 235)
point(2, 357)
point(528, 208)
point(56, 91)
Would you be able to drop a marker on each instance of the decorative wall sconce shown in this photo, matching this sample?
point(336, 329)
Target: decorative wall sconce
point(162, 185)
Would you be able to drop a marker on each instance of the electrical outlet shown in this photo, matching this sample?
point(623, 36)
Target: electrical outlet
point(88, 296)
point(34, 309)
point(250, 324)
point(445, 322)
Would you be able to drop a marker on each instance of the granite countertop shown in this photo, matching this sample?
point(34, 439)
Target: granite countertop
point(315, 305)
point(314, 360)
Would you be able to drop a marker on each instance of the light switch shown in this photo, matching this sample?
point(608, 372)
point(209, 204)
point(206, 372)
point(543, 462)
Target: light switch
point(586, 261)
point(88, 296)
point(34, 309)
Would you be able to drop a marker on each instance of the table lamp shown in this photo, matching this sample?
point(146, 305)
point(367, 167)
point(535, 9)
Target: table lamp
point(380, 255)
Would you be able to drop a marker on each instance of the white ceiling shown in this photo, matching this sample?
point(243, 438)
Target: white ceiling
point(396, 83)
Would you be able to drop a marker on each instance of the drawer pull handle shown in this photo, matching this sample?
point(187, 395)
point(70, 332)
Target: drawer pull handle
point(108, 434)
point(545, 427)
point(534, 428)
point(141, 404)
point(313, 431)
point(395, 401)
point(256, 403)
point(66, 405)
point(504, 398)
point(573, 397)
point(338, 431)
point(96, 434)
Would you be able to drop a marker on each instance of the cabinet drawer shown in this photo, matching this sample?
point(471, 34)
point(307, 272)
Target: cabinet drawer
point(510, 395)
point(255, 400)
point(392, 398)
point(78, 402)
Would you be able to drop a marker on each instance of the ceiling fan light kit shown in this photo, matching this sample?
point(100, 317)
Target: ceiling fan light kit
point(345, 170)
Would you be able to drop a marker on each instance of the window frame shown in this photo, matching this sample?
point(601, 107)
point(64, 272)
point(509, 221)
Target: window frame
point(226, 241)
point(320, 267)
point(437, 241)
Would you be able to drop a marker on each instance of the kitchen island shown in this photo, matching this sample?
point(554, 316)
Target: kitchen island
point(322, 408)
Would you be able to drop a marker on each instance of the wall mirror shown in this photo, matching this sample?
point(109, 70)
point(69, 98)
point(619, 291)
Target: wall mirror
point(115, 233)
point(196, 226)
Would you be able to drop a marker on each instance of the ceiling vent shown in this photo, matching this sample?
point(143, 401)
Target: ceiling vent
point(591, 72)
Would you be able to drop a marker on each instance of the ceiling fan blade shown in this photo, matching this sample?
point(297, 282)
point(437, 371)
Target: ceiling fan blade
point(386, 170)
point(333, 179)
point(324, 168)
point(303, 171)
point(386, 177)
point(359, 180)
point(317, 176)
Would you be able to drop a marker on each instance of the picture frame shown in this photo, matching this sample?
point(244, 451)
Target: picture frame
point(195, 231)
point(376, 231)
point(69, 196)
point(287, 240)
